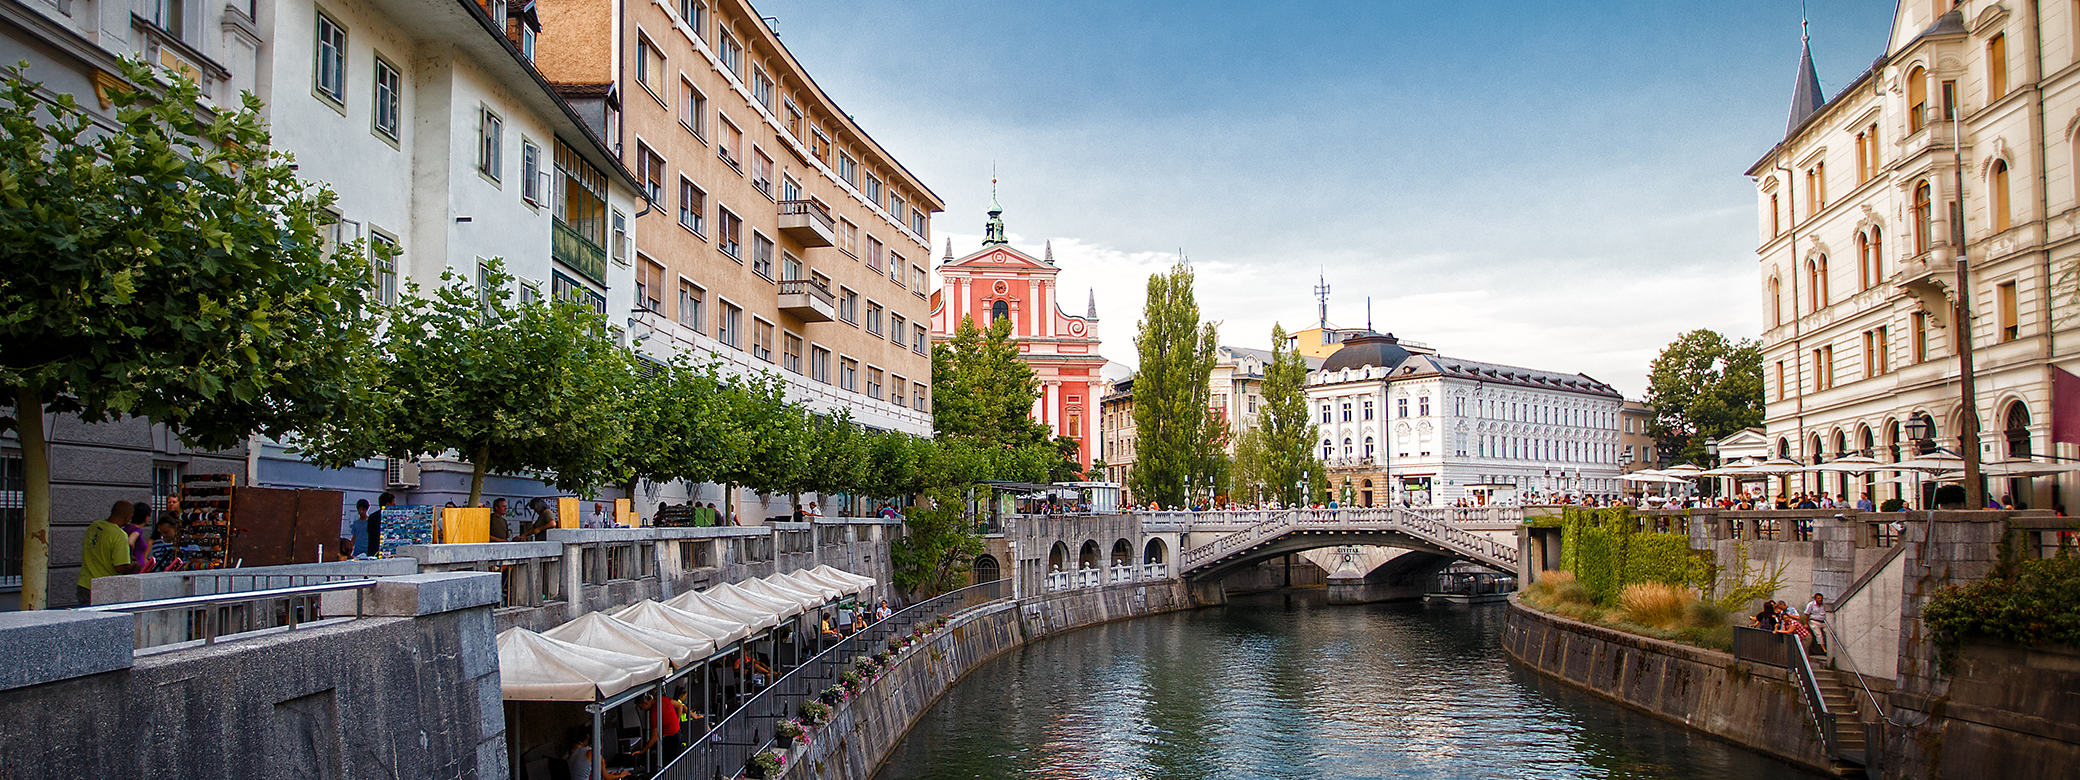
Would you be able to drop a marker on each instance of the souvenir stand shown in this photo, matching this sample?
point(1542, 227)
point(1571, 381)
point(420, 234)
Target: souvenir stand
point(205, 519)
point(406, 525)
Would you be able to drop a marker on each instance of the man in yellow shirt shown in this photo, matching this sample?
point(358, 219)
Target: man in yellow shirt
point(105, 552)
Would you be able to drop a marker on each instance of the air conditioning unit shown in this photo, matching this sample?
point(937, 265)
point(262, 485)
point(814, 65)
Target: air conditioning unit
point(398, 472)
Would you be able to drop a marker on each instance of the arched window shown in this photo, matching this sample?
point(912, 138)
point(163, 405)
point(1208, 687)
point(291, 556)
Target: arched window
point(1998, 201)
point(998, 311)
point(2017, 426)
point(1328, 449)
point(1863, 261)
point(1917, 99)
point(1877, 255)
point(1816, 283)
point(1820, 283)
point(1923, 210)
point(1776, 301)
point(1346, 447)
point(1368, 453)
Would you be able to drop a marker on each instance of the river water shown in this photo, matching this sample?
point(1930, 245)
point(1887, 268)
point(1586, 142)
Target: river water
point(1284, 686)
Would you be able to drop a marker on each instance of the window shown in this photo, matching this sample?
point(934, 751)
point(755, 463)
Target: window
point(1919, 320)
point(761, 254)
point(895, 205)
point(791, 352)
point(1874, 159)
point(620, 240)
point(169, 15)
point(895, 268)
point(1328, 449)
point(691, 300)
point(848, 374)
point(564, 288)
point(1400, 407)
point(917, 279)
point(484, 288)
point(693, 207)
point(1923, 210)
point(1775, 213)
point(649, 285)
point(1327, 414)
point(873, 255)
point(794, 120)
point(917, 396)
point(1823, 368)
point(330, 76)
point(490, 143)
point(650, 169)
point(1346, 411)
point(1863, 170)
point(789, 188)
point(917, 223)
point(820, 364)
point(384, 115)
point(1997, 196)
point(897, 327)
point(895, 390)
point(693, 109)
point(874, 311)
point(1423, 407)
point(1996, 67)
point(650, 67)
point(790, 266)
point(1776, 301)
point(1917, 100)
point(729, 232)
point(731, 148)
point(2011, 327)
point(871, 187)
point(761, 171)
point(1780, 387)
point(1877, 352)
point(762, 340)
point(695, 14)
point(730, 330)
point(382, 260)
point(1949, 100)
point(847, 169)
point(762, 87)
point(531, 175)
point(727, 50)
point(920, 340)
point(848, 306)
point(874, 383)
point(1368, 406)
point(1816, 283)
point(848, 237)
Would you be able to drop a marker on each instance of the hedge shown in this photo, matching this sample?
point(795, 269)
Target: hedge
point(1606, 551)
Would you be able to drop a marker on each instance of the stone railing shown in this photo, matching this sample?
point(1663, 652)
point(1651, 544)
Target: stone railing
point(1440, 532)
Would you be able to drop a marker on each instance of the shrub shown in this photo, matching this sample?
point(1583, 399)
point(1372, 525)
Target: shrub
point(1705, 615)
point(2029, 603)
point(1655, 604)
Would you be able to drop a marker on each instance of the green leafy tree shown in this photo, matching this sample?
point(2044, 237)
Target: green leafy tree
point(1288, 434)
point(170, 268)
point(680, 425)
point(981, 389)
point(513, 387)
point(939, 546)
point(1068, 466)
point(1247, 482)
point(1172, 391)
point(1702, 387)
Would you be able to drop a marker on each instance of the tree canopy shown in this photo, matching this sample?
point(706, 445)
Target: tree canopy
point(171, 268)
point(1172, 392)
point(1703, 386)
point(1288, 442)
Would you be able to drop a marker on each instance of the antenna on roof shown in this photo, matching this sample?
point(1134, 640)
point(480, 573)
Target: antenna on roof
point(1321, 294)
point(1368, 312)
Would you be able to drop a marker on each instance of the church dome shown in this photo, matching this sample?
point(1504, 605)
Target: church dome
point(1367, 349)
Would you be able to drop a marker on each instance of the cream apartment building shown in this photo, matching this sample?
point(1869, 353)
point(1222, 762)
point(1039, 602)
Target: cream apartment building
point(1859, 218)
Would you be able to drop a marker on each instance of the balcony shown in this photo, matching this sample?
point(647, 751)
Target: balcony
point(573, 249)
point(807, 301)
point(808, 223)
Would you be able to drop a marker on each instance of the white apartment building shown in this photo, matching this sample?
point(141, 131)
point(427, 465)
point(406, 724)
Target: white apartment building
point(1410, 425)
point(1969, 111)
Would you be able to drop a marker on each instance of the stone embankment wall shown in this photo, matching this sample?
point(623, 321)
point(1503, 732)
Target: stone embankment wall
point(866, 728)
point(1748, 704)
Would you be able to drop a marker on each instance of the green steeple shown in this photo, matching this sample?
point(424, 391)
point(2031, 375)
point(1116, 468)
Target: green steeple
point(993, 232)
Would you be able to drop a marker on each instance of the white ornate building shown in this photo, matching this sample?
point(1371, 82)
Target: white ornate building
point(1857, 215)
point(1411, 425)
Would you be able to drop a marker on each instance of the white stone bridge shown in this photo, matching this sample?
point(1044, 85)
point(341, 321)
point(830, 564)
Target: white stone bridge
point(1248, 538)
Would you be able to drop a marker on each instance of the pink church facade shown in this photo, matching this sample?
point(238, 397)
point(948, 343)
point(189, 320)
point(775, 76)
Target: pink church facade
point(998, 281)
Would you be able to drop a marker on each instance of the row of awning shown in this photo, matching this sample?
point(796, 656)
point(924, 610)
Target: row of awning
point(599, 655)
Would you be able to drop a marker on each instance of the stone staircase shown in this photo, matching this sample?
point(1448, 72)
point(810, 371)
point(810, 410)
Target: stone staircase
point(1839, 694)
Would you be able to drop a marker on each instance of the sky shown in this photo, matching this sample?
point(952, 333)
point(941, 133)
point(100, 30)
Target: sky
point(1551, 185)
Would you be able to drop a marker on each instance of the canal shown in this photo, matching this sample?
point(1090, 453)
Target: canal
point(1284, 686)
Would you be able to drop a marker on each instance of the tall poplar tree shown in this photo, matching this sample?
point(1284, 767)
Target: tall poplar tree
point(1172, 391)
point(1288, 436)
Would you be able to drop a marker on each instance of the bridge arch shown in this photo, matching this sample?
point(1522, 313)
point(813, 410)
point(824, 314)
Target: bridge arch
point(1122, 553)
point(1436, 536)
point(987, 569)
point(1155, 552)
point(1058, 558)
point(1088, 558)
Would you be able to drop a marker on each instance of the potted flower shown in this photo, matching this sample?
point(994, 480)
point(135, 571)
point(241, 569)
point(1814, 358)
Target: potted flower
point(850, 679)
point(885, 657)
point(816, 713)
point(765, 764)
point(788, 731)
point(832, 695)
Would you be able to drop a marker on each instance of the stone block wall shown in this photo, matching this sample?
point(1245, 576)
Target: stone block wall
point(866, 728)
point(1750, 705)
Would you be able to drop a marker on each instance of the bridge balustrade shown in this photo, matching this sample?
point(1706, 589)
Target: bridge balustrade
point(1155, 571)
point(1090, 578)
point(1123, 573)
point(1060, 580)
point(1435, 526)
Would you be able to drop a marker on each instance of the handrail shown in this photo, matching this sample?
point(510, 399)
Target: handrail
point(183, 602)
point(1851, 659)
point(213, 620)
point(1809, 686)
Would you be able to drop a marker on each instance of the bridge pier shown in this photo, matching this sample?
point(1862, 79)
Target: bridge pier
point(1207, 593)
point(1359, 590)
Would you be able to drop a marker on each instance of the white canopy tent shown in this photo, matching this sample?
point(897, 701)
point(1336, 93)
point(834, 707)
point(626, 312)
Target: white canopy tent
point(662, 617)
point(750, 620)
point(730, 593)
point(532, 667)
point(599, 630)
point(803, 601)
point(826, 571)
point(801, 582)
point(845, 586)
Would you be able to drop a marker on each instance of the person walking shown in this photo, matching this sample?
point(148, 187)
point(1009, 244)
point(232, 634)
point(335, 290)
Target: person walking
point(375, 524)
point(1816, 619)
point(105, 551)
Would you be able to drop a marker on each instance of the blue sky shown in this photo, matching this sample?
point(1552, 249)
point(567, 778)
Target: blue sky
point(1544, 184)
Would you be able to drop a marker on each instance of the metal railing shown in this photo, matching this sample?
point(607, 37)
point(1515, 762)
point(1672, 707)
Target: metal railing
point(213, 615)
point(809, 287)
point(729, 745)
point(1809, 688)
point(1761, 646)
point(812, 208)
